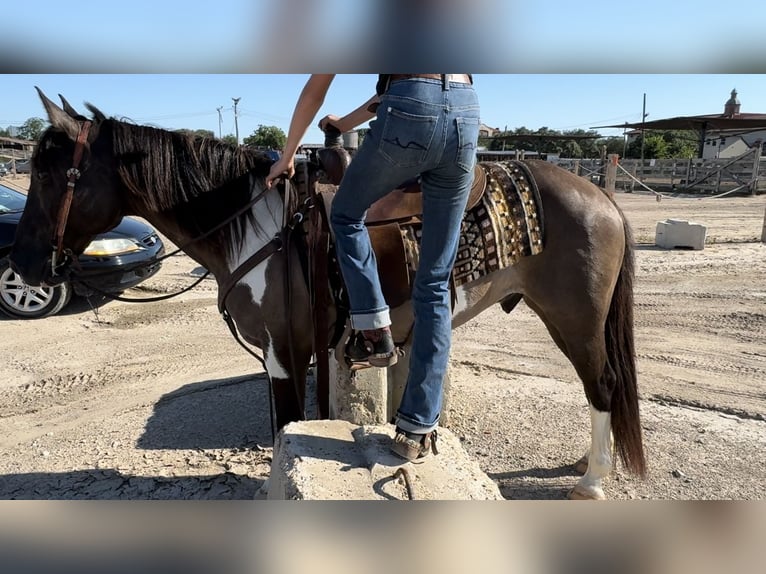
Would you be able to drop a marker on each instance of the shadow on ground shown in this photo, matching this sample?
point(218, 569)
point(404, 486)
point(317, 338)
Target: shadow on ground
point(221, 414)
point(213, 414)
point(536, 483)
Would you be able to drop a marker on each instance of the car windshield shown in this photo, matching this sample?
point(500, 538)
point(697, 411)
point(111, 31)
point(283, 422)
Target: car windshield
point(11, 201)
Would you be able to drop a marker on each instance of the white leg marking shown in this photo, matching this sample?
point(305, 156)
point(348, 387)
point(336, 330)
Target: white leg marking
point(599, 456)
point(273, 367)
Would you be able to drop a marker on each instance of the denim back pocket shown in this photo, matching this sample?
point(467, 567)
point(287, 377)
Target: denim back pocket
point(406, 138)
point(467, 138)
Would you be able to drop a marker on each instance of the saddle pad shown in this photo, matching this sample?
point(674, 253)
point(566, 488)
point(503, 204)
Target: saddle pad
point(506, 224)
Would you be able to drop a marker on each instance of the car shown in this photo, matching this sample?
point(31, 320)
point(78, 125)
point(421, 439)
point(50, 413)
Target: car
point(114, 261)
point(3, 170)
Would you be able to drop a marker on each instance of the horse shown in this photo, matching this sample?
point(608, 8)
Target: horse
point(210, 198)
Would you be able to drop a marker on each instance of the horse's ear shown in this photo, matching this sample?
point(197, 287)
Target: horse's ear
point(97, 114)
point(68, 108)
point(58, 117)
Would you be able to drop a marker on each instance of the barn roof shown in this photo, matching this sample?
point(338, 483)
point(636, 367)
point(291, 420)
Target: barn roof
point(741, 122)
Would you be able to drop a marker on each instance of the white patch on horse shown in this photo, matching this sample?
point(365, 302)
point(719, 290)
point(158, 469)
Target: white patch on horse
point(273, 367)
point(268, 214)
point(600, 454)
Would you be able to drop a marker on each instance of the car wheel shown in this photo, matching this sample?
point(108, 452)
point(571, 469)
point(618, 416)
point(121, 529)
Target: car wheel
point(21, 301)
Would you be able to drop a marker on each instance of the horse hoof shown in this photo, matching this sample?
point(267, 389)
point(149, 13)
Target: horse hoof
point(581, 466)
point(584, 493)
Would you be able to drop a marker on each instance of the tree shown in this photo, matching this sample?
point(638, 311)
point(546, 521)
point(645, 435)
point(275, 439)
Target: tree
point(682, 143)
point(571, 149)
point(614, 144)
point(270, 137)
point(665, 144)
point(590, 147)
point(230, 139)
point(198, 133)
point(32, 129)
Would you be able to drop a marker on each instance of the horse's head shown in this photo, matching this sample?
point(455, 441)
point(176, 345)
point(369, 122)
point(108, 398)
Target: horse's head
point(66, 161)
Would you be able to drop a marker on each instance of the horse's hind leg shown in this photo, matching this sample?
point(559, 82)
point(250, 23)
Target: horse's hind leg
point(577, 328)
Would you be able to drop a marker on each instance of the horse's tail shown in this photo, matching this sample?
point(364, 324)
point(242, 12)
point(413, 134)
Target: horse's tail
point(620, 345)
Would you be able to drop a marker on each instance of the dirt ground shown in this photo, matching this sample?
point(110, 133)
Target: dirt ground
point(157, 401)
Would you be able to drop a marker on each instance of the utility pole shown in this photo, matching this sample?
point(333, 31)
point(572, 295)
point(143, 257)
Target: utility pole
point(220, 122)
point(624, 140)
point(643, 120)
point(236, 125)
point(643, 136)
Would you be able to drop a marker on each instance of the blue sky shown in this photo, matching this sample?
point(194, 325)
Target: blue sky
point(557, 101)
point(347, 35)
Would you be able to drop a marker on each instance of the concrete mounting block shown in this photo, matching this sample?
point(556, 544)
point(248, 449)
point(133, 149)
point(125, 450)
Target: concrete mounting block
point(675, 233)
point(338, 460)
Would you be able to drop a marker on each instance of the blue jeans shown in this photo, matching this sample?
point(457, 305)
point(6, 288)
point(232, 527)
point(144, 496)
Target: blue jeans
point(422, 129)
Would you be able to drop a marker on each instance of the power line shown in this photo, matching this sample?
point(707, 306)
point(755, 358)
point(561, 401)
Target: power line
point(271, 117)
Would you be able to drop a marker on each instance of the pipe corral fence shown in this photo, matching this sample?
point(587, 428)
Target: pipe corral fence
point(745, 173)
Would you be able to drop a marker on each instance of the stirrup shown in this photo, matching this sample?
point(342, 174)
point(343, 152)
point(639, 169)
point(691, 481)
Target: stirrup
point(382, 353)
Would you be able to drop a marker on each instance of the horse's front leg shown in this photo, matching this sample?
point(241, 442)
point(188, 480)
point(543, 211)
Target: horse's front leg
point(287, 368)
point(599, 458)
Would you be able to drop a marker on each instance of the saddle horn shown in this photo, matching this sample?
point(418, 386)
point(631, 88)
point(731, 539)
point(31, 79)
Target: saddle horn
point(333, 157)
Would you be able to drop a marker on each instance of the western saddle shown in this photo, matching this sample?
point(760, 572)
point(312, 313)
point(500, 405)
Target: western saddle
point(402, 203)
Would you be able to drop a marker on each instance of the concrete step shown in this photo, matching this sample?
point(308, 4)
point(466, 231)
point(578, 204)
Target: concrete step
point(675, 233)
point(338, 460)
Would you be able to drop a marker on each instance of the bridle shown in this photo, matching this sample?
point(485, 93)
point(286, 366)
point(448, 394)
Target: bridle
point(73, 174)
point(282, 240)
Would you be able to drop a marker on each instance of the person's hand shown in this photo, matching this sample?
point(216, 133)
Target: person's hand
point(330, 120)
point(284, 166)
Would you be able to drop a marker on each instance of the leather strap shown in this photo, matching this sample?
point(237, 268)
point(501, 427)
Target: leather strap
point(73, 174)
point(250, 263)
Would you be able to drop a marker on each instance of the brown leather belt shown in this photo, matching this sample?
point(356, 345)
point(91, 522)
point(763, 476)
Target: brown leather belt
point(457, 78)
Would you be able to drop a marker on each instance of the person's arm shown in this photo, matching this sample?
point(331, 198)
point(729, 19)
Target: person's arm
point(352, 119)
point(311, 99)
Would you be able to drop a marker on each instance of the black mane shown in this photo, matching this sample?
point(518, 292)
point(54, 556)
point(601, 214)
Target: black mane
point(166, 169)
point(203, 180)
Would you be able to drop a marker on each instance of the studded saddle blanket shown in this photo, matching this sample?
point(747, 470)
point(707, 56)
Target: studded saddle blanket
point(505, 225)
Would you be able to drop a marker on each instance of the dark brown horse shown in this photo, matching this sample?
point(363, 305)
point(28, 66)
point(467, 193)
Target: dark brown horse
point(580, 285)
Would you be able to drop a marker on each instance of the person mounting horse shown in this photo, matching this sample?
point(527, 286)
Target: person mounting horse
point(425, 125)
point(535, 233)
